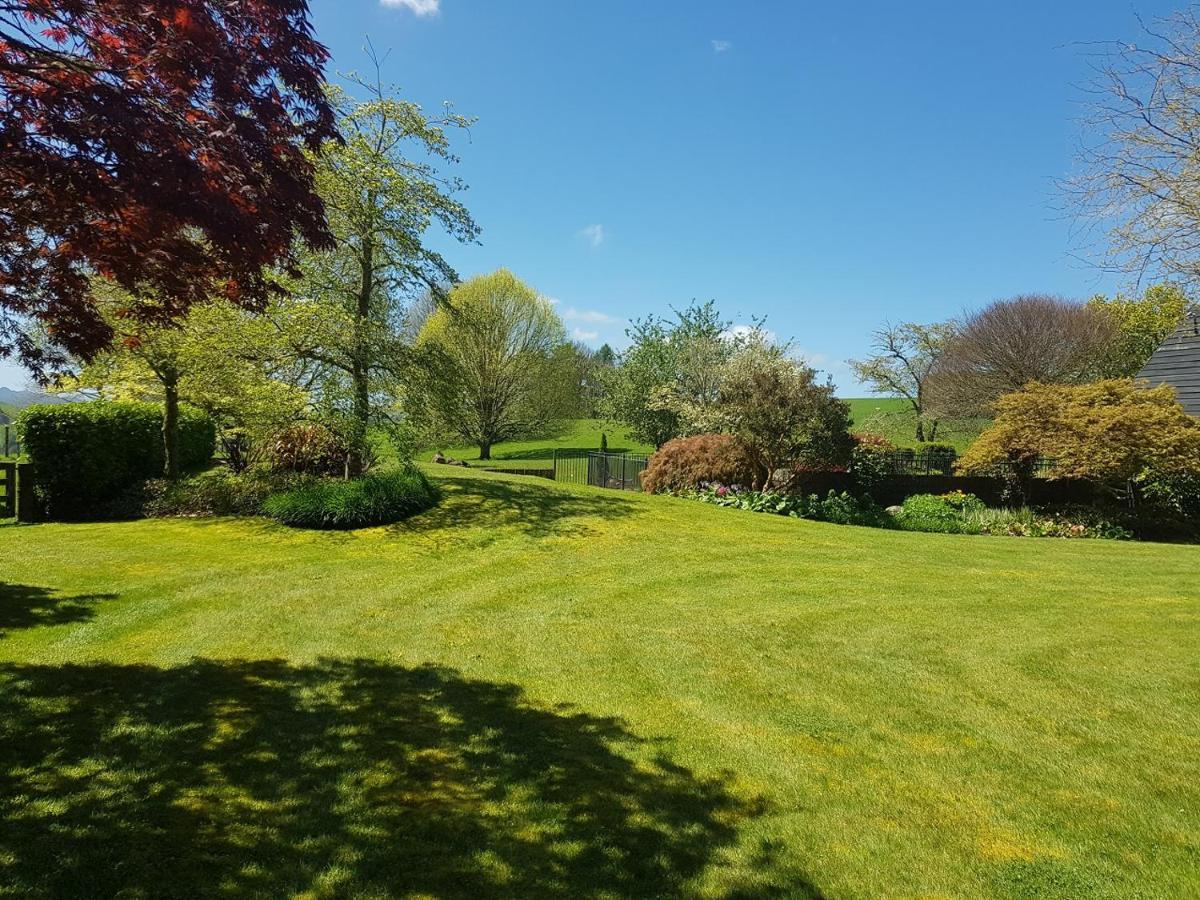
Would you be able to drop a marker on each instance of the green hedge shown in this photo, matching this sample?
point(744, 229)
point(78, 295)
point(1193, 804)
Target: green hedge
point(376, 499)
point(85, 455)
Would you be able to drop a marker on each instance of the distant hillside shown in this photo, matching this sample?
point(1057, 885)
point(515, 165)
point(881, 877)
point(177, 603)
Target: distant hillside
point(14, 399)
point(893, 418)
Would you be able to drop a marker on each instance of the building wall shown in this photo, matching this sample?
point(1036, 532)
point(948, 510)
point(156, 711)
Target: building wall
point(1177, 363)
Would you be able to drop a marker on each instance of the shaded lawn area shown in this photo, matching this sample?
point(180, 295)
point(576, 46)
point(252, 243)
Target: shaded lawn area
point(576, 436)
point(536, 690)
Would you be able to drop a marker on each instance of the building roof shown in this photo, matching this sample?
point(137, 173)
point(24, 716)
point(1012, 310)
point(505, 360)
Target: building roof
point(1177, 362)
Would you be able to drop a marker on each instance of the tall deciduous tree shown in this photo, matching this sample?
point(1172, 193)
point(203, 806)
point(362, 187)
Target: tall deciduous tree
point(1011, 343)
point(903, 359)
point(670, 363)
point(486, 357)
point(1140, 160)
point(158, 146)
point(348, 317)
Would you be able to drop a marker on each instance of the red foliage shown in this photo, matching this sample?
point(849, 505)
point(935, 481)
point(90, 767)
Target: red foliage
point(683, 463)
point(155, 143)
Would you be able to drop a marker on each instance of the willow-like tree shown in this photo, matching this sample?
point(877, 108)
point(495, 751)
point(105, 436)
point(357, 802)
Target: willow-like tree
point(383, 189)
point(487, 356)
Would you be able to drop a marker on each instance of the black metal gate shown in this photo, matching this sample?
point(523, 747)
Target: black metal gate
point(619, 471)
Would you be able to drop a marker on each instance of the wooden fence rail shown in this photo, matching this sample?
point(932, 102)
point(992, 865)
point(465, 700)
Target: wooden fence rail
point(16, 491)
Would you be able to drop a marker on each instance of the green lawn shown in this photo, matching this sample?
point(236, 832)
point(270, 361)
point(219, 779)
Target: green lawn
point(536, 690)
point(893, 418)
point(577, 435)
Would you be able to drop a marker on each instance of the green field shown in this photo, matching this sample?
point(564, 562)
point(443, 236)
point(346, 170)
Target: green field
point(577, 435)
point(893, 418)
point(544, 691)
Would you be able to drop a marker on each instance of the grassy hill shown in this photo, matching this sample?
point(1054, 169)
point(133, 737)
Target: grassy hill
point(887, 416)
point(536, 690)
point(893, 418)
point(577, 435)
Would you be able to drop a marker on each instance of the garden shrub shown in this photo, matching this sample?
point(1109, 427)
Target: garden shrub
point(86, 456)
point(685, 463)
point(841, 509)
point(308, 448)
point(941, 514)
point(941, 457)
point(871, 460)
point(218, 492)
point(379, 498)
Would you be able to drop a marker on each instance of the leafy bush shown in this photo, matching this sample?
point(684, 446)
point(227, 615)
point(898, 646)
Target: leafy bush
point(941, 457)
point(1173, 492)
point(940, 514)
point(1022, 521)
point(685, 463)
point(870, 460)
point(88, 455)
point(1106, 432)
point(218, 492)
point(376, 499)
point(308, 448)
point(842, 509)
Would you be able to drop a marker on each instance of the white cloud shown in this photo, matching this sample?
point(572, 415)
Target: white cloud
point(593, 234)
point(588, 316)
point(749, 330)
point(721, 46)
point(417, 7)
point(580, 335)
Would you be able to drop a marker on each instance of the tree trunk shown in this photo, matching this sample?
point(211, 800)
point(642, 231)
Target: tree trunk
point(360, 387)
point(170, 429)
point(357, 461)
point(485, 449)
point(933, 430)
point(920, 431)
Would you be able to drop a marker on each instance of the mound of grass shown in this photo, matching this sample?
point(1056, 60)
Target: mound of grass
point(379, 498)
point(534, 690)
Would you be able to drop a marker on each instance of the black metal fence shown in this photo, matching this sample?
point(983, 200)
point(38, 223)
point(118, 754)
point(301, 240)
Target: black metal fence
point(938, 462)
point(620, 471)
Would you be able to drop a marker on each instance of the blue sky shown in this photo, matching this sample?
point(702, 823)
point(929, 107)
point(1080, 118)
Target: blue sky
point(828, 166)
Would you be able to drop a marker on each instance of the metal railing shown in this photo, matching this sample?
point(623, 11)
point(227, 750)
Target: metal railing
point(619, 471)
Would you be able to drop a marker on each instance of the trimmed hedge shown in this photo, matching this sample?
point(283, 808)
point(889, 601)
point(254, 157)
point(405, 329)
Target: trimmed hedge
point(86, 455)
point(380, 498)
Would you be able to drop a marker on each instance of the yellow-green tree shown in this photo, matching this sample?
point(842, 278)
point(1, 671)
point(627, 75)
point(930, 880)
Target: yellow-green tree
point(487, 356)
point(1107, 432)
point(1140, 325)
point(221, 359)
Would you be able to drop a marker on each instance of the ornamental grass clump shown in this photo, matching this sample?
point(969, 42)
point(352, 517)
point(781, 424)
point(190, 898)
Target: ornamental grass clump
point(380, 498)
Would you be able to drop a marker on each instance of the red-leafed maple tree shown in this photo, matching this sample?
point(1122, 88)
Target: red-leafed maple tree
point(155, 143)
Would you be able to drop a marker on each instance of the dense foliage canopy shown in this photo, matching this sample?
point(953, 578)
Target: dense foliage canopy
point(1107, 431)
point(159, 146)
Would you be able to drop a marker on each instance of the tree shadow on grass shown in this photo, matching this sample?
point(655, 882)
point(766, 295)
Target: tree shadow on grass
point(28, 606)
point(525, 507)
point(346, 777)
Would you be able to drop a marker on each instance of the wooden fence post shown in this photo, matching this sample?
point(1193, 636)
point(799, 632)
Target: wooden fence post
point(27, 510)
